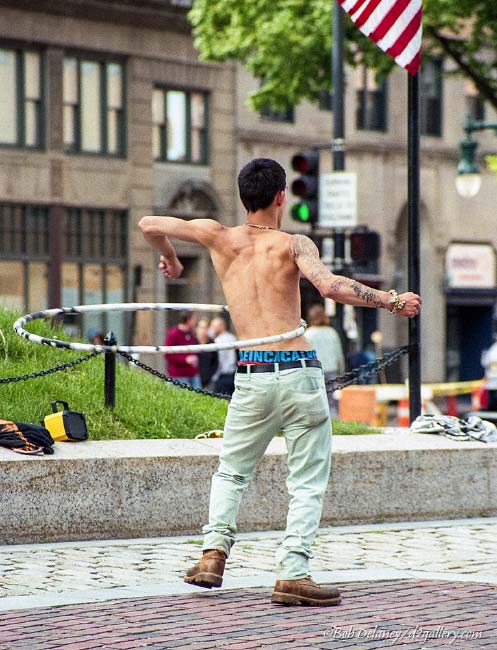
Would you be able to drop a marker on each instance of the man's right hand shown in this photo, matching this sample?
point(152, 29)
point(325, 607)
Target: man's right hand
point(170, 269)
point(412, 305)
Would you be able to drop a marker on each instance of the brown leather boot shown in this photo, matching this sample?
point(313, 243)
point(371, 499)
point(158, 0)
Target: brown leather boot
point(208, 572)
point(304, 591)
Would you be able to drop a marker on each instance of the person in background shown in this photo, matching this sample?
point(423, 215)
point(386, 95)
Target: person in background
point(207, 361)
point(183, 366)
point(224, 378)
point(360, 357)
point(326, 341)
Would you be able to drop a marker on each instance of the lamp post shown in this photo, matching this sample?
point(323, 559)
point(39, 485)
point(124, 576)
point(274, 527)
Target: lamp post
point(468, 179)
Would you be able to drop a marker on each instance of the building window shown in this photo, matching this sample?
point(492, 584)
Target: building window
point(273, 115)
point(277, 115)
point(95, 235)
point(24, 255)
point(24, 231)
point(180, 132)
point(21, 98)
point(94, 262)
point(371, 95)
point(431, 97)
point(325, 100)
point(93, 107)
point(94, 252)
point(475, 104)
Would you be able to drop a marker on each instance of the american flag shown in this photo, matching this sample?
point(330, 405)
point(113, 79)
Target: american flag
point(394, 25)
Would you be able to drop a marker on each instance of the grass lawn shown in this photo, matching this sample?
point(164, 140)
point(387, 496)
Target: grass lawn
point(146, 407)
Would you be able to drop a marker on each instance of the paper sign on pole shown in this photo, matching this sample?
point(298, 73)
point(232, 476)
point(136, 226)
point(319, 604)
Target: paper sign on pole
point(338, 200)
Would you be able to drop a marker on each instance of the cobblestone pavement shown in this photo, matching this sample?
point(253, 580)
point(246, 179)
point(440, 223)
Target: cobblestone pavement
point(462, 549)
point(412, 614)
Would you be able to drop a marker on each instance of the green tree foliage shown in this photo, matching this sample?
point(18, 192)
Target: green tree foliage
point(287, 43)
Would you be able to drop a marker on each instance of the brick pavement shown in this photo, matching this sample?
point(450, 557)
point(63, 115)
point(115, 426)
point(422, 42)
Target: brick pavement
point(412, 614)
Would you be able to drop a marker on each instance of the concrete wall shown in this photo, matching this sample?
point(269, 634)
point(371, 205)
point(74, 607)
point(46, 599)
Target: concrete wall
point(142, 488)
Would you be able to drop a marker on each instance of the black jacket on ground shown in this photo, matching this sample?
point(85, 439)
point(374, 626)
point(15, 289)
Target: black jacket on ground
point(25, 438)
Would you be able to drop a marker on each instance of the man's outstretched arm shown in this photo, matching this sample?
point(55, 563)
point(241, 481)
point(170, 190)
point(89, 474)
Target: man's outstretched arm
point(342, 289)
point(157, 231)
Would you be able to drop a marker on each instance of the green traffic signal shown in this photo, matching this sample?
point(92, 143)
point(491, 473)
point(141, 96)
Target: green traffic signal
point(301, 212)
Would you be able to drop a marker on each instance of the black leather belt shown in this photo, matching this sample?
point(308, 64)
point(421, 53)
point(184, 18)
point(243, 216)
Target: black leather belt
point(284, 365)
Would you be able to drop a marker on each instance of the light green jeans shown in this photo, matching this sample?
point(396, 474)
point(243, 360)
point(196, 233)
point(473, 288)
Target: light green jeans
point(292, 401)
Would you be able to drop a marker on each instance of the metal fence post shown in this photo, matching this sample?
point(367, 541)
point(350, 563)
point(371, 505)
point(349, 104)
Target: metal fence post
point(110, 372)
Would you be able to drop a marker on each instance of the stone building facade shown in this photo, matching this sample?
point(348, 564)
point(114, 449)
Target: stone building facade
point(79, 164)
point(107, 114)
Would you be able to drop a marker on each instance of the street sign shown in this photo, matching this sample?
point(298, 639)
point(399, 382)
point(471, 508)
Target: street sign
point(469, 265)
point(338, 200)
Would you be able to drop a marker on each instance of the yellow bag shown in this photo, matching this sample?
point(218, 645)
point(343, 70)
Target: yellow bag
point(66, 424)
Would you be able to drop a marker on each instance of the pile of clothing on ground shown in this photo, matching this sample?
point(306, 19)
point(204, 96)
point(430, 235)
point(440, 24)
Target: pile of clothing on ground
point(469, 427)
point(25, 438)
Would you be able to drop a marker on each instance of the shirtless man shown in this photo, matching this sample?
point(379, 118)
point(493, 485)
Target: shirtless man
point(279, 387)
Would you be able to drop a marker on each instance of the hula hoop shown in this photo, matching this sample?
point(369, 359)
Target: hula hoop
point(134, 349)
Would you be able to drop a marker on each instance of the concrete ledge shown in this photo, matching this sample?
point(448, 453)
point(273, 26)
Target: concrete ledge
point(147, 488)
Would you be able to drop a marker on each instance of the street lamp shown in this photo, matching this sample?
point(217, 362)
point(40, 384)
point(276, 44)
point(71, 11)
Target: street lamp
point(468, 179)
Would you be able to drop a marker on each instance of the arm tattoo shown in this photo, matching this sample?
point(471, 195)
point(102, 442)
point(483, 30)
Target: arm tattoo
point(317, 273)
point(366, 293)
point(302, 246)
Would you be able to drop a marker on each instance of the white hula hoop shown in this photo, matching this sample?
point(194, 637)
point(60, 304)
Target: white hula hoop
point(134, 349)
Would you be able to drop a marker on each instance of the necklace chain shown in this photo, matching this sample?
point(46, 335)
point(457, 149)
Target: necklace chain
point(255, 225)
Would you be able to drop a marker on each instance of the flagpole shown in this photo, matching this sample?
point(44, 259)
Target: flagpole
point(413, 242)
point(338, 145)
point(397, 29)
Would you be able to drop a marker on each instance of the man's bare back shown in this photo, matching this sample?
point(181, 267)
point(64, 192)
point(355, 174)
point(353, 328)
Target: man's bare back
point(260, 281)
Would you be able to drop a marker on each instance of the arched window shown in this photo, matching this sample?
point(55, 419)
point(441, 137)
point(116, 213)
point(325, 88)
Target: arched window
point(195, 200)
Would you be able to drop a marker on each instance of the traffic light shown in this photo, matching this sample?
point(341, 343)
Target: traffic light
point(306, 186)
point(365, 247)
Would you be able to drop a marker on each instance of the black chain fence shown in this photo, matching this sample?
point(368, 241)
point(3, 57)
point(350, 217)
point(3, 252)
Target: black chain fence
point(170, 380)
point(48, 371)
point(361, 373)
point(357, 375)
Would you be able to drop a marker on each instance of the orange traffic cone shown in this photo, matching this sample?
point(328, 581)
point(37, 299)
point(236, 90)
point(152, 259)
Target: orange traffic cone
point(403, 413)
point(452, 405)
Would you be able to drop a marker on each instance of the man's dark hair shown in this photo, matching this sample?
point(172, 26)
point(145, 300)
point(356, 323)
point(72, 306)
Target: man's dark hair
point(184, 316)
point(259, 182)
